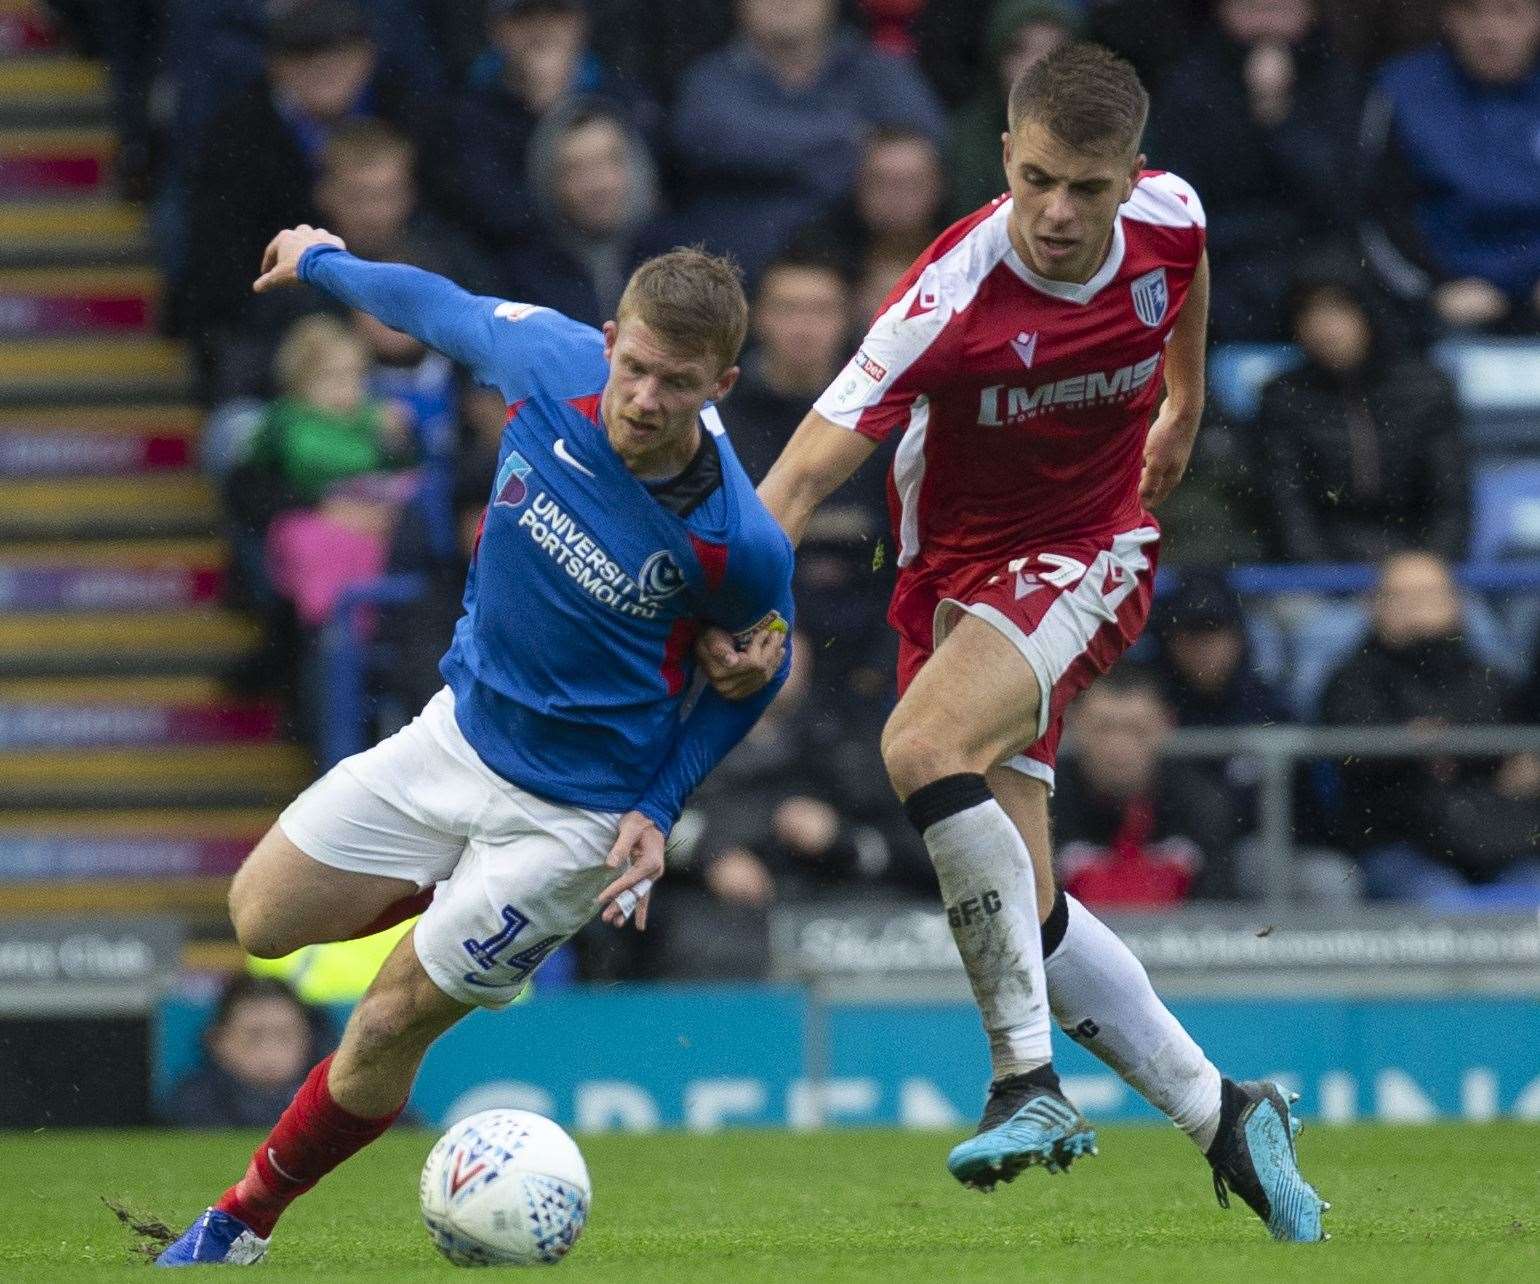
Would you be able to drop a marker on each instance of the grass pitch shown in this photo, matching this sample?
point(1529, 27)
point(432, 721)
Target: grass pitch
point(1425, 1203)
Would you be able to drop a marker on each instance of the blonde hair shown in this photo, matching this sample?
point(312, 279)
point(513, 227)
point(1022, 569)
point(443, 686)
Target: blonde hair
point(692, 300)
point(305, 344)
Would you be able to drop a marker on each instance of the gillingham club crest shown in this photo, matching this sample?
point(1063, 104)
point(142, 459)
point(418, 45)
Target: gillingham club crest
point(511, 489)
point(1151, 298)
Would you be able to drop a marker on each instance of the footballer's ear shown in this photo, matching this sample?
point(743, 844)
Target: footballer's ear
point(1133, 175)
point(611, 332)
point(725, 382)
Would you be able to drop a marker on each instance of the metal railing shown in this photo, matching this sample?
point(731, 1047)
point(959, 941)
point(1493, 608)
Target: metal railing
point(1277, 749)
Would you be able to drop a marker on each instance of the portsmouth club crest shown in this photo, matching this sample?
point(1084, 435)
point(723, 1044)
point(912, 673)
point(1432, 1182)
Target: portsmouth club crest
point(511, 488)
point(1151, 298)
point(660, 577)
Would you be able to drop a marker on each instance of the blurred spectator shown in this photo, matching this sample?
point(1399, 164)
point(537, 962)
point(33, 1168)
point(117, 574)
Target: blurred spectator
point(594, 188)
point(1020, 33)
point(413, 637)
point(311, 504)
point(1452, 170)
point(948, 37)
point(1205, 657)
point(537, 55)
point(1427, 828)
point(258, 1048)
point(799, 331)
point(769, 130)
point(326, 428)
point(1151, 34)
point(1370, 31)
point(652, 53)
point(367, 194)
point(1258, 118)
point(1130, 830)
point(895, 209)
point(1362, 443)
point(876, 277)
point(254, 167)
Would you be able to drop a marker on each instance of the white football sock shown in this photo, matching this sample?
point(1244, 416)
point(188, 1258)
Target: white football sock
point(990, 896)
point(1101, 995)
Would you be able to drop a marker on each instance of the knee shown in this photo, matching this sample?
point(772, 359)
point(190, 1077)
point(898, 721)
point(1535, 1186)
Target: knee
point(917, 751)
point(261, 931)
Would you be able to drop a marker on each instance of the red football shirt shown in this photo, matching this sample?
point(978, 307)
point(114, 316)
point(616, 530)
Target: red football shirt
point(1024, 401)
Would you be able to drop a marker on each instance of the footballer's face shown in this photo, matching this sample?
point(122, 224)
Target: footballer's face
point(1065, 201)
point(652, 401)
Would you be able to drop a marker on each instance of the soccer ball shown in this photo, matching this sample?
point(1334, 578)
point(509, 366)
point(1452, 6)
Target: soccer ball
point(505, 1188)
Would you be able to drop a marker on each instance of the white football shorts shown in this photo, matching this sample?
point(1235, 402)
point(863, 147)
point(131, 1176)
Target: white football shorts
point(516, 875)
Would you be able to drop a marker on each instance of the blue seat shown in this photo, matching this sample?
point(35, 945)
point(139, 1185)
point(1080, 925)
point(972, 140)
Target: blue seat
point(1237, 371)
point(1505, 517)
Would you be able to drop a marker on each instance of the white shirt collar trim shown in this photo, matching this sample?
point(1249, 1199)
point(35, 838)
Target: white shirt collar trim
point(1072, 291)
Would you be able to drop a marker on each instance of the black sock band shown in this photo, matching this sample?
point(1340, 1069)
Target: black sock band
point(946, 797)
point(1056, 924)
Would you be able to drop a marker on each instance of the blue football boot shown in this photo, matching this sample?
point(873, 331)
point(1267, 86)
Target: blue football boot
point(1027, 1121)
point(215, 1238)
point(1253, 1155)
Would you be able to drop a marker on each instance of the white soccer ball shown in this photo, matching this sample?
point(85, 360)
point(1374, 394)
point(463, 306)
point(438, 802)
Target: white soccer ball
point(505, 1188)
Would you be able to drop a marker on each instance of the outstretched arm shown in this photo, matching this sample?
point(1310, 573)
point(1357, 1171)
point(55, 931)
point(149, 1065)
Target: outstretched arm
point(418, 303)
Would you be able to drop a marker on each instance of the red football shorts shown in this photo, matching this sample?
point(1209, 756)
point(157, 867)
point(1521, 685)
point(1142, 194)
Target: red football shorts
point(1071, 610)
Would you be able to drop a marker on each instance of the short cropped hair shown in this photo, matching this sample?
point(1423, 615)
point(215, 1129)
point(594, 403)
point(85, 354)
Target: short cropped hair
point(357, 143)
point(691, 299)
point(1086, 97)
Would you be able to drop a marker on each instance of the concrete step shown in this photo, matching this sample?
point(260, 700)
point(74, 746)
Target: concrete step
point(171, 503)
point(52, 89)
point(123, 643)
point(192, 776)
point(149, 842)
point(76, 300)
point(111, 574)
point(73, 441)
point(96, 369)
point(73, 159)
point(193, 898)
point(77, 230)
point(113, 717)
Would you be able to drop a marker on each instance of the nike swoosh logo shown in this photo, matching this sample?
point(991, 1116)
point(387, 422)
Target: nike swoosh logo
point(563, 454)
point(273, 1159)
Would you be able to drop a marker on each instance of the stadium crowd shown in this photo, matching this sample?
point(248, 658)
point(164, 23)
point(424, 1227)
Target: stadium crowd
point(1371, 176)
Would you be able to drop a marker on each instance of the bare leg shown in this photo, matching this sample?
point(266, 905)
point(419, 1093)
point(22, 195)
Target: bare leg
point(390, 1030)
point(283, 899)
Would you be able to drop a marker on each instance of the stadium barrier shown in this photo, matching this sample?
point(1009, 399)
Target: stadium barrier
point(1276, 751)
point(346, 653)
point(1392, 1016)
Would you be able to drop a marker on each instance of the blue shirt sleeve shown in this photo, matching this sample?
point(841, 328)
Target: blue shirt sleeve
point(514, 347)
point(754, 591)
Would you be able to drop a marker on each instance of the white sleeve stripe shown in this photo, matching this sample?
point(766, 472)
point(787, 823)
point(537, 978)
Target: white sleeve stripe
point(1166, 201)
point(712, 418)
point(897, 340)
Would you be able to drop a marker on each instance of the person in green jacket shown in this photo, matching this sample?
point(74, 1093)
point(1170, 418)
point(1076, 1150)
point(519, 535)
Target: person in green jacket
point(325, 428)
point(1019, 34)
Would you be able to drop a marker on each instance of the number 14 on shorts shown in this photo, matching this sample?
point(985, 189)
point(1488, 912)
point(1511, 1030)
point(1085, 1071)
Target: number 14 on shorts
point(490, 953)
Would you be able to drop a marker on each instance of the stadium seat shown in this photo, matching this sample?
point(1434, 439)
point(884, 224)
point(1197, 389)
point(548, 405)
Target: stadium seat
point(1505, 519)
point(1237, 371)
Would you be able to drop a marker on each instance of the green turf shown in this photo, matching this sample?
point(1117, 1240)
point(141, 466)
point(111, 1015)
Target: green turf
point(1434, 1203)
